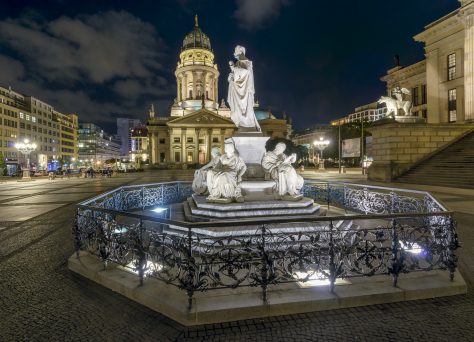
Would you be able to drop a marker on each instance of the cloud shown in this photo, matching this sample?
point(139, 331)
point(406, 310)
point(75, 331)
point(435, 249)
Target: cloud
point(94, 65)
point(253, 14)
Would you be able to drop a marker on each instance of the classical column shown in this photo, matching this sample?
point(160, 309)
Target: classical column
point(183, 145)
point(432, 87)
point(179, 89)
point(215, 91)
point(196, 146)
point(466, 14)
point(209, 141)
point(185, 87)
point(194, 84)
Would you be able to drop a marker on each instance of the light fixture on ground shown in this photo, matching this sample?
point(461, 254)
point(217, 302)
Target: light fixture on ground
point(321, 144)
point(26, 148)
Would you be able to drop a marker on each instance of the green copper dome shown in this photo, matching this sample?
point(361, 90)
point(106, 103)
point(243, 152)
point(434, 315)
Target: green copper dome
point(196, 38)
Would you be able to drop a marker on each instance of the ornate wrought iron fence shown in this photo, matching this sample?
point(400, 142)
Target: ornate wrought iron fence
point(395, 231)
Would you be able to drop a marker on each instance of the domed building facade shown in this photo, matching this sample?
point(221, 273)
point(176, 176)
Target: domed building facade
point(197, 120)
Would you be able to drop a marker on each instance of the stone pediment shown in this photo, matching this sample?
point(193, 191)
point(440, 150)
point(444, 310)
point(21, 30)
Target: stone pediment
point(202, 117)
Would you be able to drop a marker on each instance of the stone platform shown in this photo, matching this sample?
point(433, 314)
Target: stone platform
point(199, 207)
point(225, 305)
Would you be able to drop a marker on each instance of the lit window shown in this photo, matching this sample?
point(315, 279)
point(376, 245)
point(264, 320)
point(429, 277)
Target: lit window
point(33, 118)
point(27, 117)
point(452, 96)
point(22, 115)
point(451, 66)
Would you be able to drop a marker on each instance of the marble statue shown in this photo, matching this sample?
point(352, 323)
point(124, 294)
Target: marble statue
point(241, 91)
point(278, 165)
point(394, 105)
point(200, 176)
point(225, 177)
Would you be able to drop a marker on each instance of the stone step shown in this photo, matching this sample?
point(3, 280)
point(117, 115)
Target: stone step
point(250, 212)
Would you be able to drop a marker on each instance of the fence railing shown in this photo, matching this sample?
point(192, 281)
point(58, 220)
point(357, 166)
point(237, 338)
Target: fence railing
point(388, 232)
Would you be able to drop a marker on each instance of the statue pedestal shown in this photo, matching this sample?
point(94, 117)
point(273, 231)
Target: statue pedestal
point(251, 147)
point(409, 119)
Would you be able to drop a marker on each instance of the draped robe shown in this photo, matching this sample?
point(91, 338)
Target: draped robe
point(288, 182)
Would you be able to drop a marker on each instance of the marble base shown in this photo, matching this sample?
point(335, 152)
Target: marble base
point(202, 203)
point(251, 147)
point(409, 119)
point(200, 207)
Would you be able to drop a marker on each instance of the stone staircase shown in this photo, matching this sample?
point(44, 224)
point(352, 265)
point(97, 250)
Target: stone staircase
point(451, 166)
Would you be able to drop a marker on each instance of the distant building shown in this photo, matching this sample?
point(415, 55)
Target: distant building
point(370, 112)
point(197, 120)
point(140, 145)
point(308, 136)
point(26, 117)
point(124, 132)
point(96, 146)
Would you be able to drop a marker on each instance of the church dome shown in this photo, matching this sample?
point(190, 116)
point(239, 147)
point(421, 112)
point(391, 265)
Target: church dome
point(196, 38)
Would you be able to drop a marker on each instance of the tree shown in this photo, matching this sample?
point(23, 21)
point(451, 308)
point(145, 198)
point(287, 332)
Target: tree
point(3, 165)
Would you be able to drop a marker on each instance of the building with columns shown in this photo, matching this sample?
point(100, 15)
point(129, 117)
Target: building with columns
point(197, 120)
point(442, 91)
point(442, 85)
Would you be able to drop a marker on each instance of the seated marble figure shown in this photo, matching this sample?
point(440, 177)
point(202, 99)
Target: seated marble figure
point(225, 178)
point(200, 176)
point(278, 165)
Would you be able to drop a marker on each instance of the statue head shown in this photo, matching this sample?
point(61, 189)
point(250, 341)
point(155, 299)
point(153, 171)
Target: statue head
point(215, 152)
point(280, 148)
point(229, 148)
point(238, 51)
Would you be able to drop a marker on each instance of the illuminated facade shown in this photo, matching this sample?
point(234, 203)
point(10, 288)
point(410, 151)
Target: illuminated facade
point(442, 85)
point(26, 117)
point(96, 146)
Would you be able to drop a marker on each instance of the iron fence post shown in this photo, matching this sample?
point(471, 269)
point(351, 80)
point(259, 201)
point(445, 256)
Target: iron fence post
point(328, 197)
point(76, 232)
point(141, 253)
point(190, 273)
point(453, 244)
point(264, 266)
point(397, 262)
point(332, 265)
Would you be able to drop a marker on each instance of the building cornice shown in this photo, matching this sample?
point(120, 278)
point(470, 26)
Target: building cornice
point(442, 25)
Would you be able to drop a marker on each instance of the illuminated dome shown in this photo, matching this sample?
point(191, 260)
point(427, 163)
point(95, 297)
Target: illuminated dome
point(196, 38)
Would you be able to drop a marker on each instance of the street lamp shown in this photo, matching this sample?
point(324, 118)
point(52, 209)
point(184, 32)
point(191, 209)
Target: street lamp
point(321, 144)
point(26, 148)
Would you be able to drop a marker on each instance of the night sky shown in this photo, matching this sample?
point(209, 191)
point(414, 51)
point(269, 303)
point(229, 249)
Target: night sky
point(316, 60)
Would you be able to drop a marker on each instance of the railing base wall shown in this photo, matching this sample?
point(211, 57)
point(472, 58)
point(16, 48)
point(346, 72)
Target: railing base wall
point(227, 305)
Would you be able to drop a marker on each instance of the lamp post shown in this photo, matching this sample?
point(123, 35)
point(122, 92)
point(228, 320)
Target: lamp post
point(26, 148)
point(321, 144)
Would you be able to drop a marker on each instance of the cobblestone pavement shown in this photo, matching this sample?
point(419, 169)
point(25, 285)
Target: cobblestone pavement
point(41, 300)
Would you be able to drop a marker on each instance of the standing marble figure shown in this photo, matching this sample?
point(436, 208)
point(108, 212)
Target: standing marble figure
point(224, 179)
point(241, 91)
point(200, 176)
point(278, 165)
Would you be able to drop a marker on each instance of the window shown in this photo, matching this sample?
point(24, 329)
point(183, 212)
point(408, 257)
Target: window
point(22, 115)
point(189, 140)
point(162, 157)
point(33, 118)
point(27, 117)
point(190, 157)
point(423, 94)
point(177, 139)
point(215, 139)
point(177, 156)
point(162, 141)
point(414, 96)
point(201, 141)
point(452, 96)
point(190, 94)
point(451, 66)
point(424, 113)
